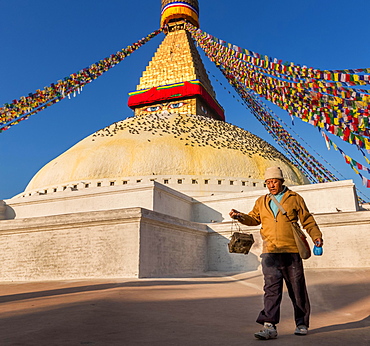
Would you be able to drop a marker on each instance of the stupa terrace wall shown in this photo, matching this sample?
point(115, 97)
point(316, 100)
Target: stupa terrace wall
point(135, 242)
point(200, 199)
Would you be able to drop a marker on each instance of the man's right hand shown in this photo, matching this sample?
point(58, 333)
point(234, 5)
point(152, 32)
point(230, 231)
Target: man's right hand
point(234, 214)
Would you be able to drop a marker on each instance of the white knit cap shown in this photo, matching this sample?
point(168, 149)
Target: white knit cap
point(274, 173)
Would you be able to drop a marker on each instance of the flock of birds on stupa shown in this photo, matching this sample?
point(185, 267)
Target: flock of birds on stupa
point(194, 130)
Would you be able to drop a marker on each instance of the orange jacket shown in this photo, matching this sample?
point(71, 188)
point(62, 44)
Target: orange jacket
point(276, 231)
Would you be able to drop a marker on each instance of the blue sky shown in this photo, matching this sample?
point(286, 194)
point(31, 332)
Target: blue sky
point(45, 40)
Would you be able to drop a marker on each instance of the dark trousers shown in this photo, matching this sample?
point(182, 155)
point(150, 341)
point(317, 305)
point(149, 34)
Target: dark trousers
point(277, 268)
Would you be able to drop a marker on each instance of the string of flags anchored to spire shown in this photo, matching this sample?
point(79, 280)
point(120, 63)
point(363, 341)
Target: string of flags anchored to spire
point(313, 169)
point(318, 97)
point(353, 163)
point(330, 100)
point(21, 109)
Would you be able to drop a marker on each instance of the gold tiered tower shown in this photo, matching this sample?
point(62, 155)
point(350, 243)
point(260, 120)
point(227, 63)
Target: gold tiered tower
point(175, 79)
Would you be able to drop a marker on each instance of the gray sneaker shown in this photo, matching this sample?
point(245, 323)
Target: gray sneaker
point(268, 332)
point(301, 330)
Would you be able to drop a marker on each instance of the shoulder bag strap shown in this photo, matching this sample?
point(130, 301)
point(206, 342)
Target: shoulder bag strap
point(299, 236)
point(283, 211)
point(277, 204)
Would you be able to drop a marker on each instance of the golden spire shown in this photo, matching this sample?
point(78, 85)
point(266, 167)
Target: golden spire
point(175, 79)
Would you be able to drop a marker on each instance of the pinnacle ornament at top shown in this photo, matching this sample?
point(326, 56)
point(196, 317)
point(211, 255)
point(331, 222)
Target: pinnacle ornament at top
point(173, 11)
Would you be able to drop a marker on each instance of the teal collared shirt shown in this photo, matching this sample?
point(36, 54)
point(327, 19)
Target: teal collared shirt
point(278, 196)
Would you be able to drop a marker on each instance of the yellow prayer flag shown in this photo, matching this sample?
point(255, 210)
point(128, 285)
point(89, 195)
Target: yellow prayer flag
point(367, 144)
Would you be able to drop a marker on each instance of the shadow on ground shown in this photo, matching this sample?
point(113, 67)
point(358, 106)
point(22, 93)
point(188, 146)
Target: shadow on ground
point(202, 311)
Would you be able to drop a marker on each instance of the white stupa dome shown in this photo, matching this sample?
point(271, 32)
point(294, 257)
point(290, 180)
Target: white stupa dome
point(168, 146)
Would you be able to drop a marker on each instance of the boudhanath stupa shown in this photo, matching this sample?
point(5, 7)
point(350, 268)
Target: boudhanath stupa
point(149, 196)
point(178, 132)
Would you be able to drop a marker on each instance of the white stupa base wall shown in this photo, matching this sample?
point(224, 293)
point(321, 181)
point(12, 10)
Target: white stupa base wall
point(131, 242)
point(320, 198)
point(154, 231)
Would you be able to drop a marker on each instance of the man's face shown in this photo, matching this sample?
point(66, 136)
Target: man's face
point(274, 185)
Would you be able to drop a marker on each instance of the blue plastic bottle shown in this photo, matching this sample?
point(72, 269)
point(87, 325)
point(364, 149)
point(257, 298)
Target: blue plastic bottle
point(317, 251)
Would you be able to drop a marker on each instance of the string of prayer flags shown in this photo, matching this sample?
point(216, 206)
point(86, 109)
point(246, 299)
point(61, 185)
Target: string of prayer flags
point(350, 76)
point(349, 160)
point(313, 169)
point(365, 157)
point(272, 126)
point(297, 90)
point(324, 99)
point(365, 181)
point(21, 109)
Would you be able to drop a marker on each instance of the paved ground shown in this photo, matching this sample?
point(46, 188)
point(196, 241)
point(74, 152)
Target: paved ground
point(206, 310)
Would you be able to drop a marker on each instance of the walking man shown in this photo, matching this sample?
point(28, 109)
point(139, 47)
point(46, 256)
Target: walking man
point(280, 258)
